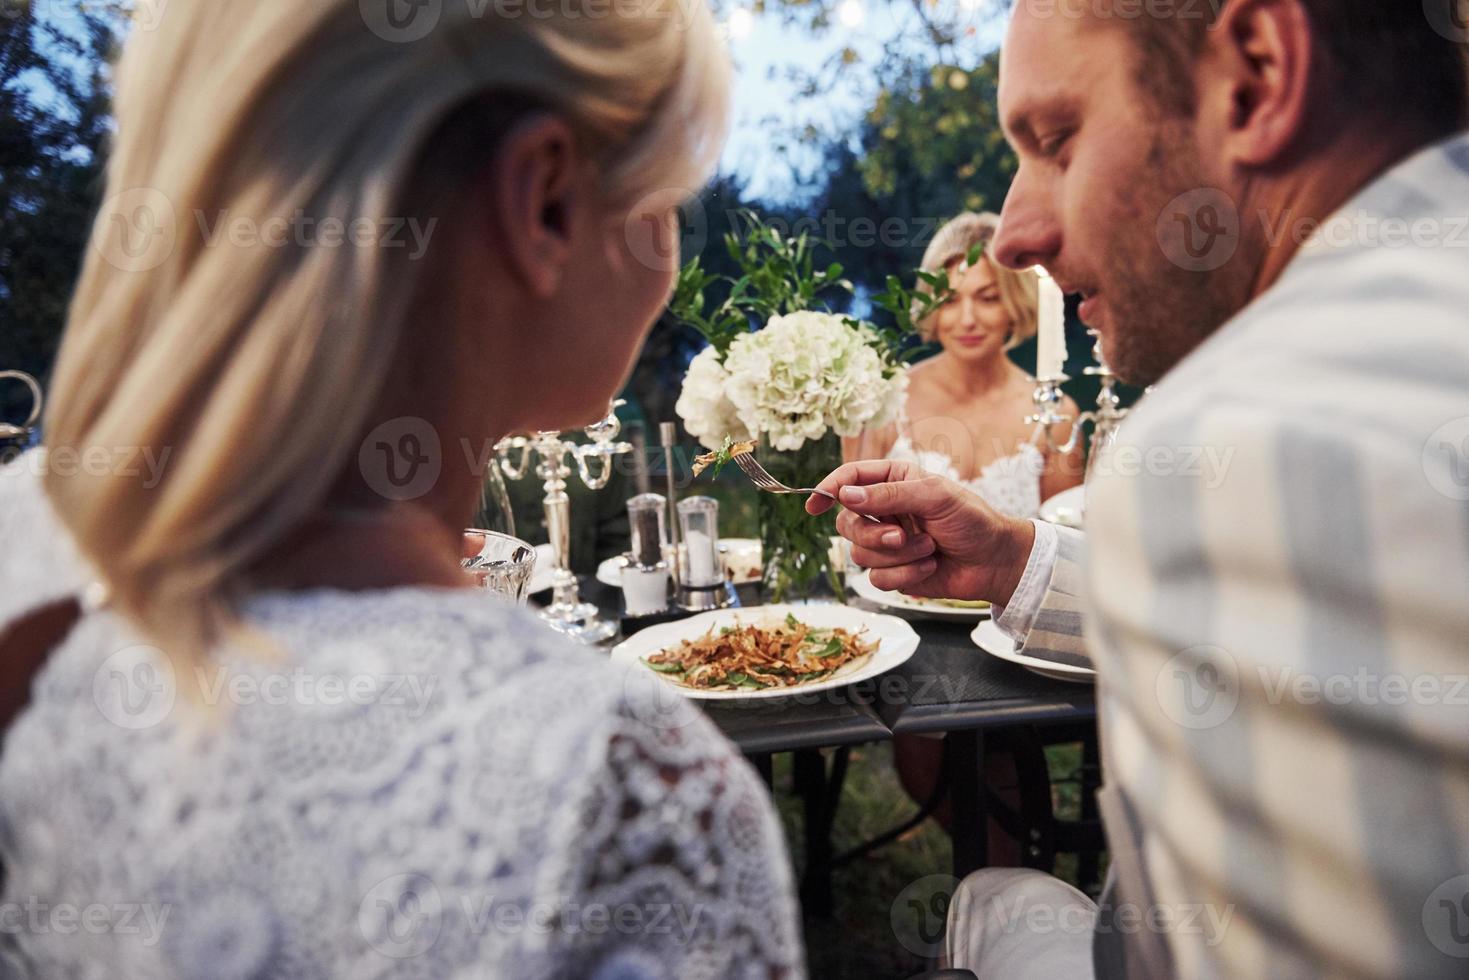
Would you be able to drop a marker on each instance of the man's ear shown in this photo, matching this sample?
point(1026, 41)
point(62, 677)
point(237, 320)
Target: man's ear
point(534, 201)
point(1259, 90)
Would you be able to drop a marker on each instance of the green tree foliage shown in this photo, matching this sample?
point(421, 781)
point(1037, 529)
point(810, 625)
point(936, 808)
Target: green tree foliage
point(54, 123)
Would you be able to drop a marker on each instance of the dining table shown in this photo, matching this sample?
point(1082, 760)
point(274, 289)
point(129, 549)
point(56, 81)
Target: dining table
point(948, 689)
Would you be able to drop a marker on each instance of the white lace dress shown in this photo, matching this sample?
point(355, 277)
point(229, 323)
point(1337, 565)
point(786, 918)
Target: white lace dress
point(1010, 484)
point(425, 785)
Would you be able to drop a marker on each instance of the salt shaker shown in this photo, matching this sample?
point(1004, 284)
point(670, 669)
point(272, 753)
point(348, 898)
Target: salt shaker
point(645, 578)
point(701, 573)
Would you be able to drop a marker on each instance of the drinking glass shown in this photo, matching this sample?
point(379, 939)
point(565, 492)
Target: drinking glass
point(503, 566)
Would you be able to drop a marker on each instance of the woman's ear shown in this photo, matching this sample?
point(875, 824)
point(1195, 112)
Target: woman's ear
point(535, 201)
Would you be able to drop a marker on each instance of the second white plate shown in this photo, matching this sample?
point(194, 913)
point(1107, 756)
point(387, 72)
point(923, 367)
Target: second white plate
point(898, 602)
point(993, 641)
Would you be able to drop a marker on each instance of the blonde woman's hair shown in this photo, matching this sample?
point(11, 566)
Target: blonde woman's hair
point(257, 367)
point(1018, 290)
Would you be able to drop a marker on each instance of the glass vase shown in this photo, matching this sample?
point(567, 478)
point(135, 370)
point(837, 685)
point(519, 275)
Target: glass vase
point(796, 547)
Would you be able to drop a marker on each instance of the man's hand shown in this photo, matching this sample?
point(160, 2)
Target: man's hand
point(955, 546)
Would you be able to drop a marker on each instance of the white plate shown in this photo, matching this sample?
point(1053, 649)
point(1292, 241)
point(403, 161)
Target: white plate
point(896, 643)
point(992, 640)
point(1066, 508)
point(741, 558)
point(898, 602)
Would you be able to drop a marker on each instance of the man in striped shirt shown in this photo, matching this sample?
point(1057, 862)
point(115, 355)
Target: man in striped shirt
point(1265, 206)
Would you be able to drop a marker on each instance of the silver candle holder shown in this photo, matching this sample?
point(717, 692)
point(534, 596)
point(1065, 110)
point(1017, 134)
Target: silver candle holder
point(1105, 418)
point(567, 612)
point(23, 431)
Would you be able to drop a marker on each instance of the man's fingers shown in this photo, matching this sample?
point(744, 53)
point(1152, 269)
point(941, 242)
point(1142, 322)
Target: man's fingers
point(903, 577)
point(888, 499)
point(859, 473)
point(916, 550)
point(860, 531)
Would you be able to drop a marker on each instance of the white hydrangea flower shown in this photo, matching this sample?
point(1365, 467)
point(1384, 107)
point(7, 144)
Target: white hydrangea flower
point(801, 376)
point(707, 413)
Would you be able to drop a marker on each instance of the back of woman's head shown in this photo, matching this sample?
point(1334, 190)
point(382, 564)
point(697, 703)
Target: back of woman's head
point(250, 281)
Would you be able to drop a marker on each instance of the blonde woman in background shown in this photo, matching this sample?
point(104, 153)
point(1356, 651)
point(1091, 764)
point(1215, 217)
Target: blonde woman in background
point(267, 711)
point(964, 419)
point(966, 407)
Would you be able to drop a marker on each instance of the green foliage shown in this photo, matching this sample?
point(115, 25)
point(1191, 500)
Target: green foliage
point(935, 135)
point(51, 156)
point(908, 307)
point(776, 274)
point(779, 274)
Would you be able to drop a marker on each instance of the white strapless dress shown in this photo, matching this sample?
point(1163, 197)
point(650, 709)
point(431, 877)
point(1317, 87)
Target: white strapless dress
point(1010, 484)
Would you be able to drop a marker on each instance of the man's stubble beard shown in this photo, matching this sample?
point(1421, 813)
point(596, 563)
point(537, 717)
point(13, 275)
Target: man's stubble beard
point(1161, 311)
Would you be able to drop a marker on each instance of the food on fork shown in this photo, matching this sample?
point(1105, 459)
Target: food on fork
point(727, 452)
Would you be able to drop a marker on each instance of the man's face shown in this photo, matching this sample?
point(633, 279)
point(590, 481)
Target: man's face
point(1102, 168)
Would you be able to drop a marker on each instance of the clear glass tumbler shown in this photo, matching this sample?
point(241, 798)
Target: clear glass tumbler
point(503, 566)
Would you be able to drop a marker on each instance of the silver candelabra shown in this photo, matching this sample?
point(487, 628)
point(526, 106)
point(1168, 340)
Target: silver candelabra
point(567, 613)
point(1105, 418)
point(23, 431)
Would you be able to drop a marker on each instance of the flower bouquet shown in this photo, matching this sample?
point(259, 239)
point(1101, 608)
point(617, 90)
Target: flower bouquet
point(793, 378)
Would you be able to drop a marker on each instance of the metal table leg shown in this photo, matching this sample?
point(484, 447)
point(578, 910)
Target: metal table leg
point(964, 767)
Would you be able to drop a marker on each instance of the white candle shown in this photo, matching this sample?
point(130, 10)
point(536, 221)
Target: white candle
point(1050, 359)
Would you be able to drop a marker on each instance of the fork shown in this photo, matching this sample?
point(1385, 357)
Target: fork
point(758, 475)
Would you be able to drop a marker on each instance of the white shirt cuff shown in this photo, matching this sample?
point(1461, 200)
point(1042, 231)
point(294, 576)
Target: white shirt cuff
point(1016, 619)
